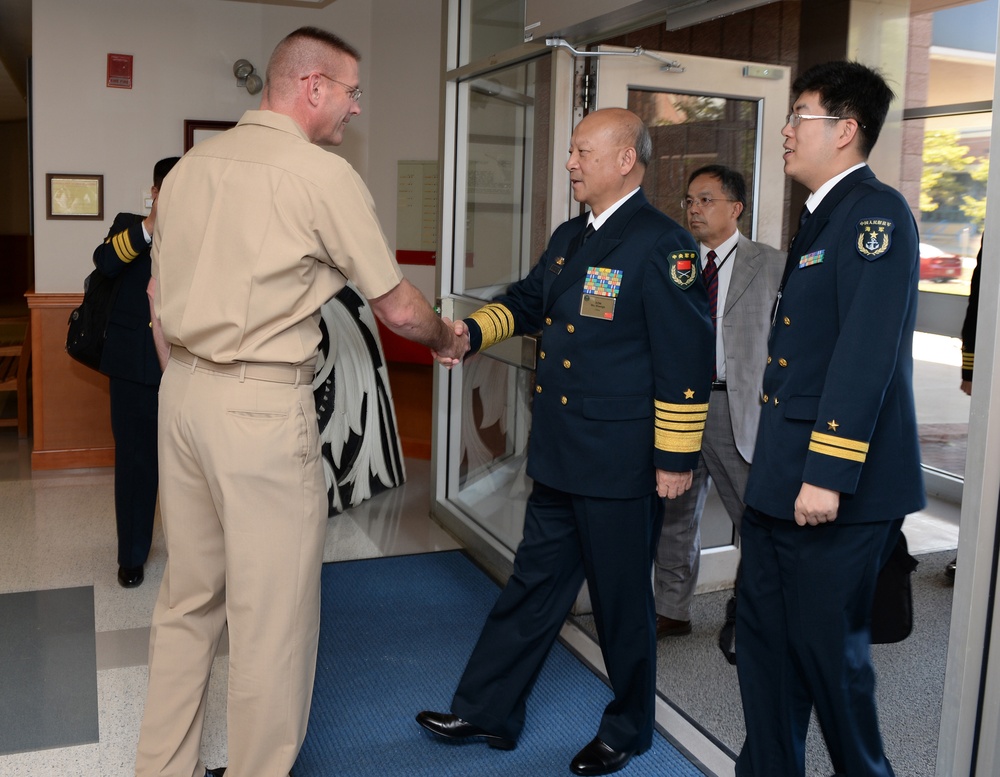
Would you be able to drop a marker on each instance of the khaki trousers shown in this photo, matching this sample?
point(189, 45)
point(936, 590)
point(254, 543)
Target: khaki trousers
point(243, 501)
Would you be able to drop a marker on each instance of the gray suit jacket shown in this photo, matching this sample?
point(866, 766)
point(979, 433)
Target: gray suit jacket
point(746, 324)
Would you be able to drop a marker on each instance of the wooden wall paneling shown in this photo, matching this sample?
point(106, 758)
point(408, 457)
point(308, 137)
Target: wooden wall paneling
point(70, 402)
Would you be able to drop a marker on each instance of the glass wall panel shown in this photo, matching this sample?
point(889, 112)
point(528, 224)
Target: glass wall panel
point(492, 26)
point(955, 165)
point(690, 131)
point(507, 174)
point(504, 162)
point(496, 417)
point(952, 60)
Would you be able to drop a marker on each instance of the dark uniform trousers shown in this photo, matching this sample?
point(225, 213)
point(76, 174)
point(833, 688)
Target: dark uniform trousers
point(133, 424)
point(567, 538)
point(621, 390)
point(785, 639)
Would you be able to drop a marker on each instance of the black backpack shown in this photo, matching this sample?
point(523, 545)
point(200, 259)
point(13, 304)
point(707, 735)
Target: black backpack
point(88, 324)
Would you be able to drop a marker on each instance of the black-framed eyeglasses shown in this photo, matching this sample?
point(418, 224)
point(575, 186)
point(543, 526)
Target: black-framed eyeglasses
point(793, 120)
point(703, 202)
point(353, 91)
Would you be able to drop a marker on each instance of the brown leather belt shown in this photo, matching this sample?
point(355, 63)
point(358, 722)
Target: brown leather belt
point(268, 371)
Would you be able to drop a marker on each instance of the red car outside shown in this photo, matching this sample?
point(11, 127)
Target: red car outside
point(937, 265)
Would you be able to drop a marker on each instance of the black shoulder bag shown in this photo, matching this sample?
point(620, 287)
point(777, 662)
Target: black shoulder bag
point(88, 324)
point(892, 610)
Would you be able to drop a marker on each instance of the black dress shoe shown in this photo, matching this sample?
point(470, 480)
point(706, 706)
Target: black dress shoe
point(215, 772)
point(671, 627)
point(949, 570)
point(131, 577)
point(453, 727)
point(599, 758)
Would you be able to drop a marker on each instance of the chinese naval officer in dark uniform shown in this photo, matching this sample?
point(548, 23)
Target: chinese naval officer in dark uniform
point(837, 463)
point(623, 382)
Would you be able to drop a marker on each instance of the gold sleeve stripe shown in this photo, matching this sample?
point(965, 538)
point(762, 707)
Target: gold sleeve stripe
point(669, 407)
point(967, 360)
point(681, 426)
point(123, 247)
point(682, 417)
point(496, 323)
point(840, 442)
point(839, 453)
point(678, 442)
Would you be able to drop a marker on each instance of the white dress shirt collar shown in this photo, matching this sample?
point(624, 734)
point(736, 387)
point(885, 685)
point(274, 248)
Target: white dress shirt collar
point(817, 196)
point(598, 221)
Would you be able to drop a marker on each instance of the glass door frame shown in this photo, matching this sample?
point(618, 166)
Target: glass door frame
point(617, 76)
point(969, 739)
point(446, 427)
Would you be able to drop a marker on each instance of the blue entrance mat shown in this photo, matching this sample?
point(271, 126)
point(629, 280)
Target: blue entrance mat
point(395, 634)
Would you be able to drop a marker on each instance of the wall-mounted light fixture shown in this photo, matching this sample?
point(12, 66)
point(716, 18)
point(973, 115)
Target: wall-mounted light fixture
point(247, 76)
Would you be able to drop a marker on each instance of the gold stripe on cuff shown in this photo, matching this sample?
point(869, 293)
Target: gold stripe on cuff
point(840, 442)
point(496, 323)
point(838, 453)
point(123, 247)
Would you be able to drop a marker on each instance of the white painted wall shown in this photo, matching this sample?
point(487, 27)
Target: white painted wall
point(184, 51)
point(405, 106)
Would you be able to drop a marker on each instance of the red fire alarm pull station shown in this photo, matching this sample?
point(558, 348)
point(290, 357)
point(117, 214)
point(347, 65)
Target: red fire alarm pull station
point(120, 71)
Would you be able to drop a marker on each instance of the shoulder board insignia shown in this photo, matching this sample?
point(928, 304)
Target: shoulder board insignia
point(874, 237)
point(683, 267)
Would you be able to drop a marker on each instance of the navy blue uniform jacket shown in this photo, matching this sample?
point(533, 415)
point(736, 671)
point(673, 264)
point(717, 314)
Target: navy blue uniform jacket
point(619, 395)
point(837, 401)
point(129, 351)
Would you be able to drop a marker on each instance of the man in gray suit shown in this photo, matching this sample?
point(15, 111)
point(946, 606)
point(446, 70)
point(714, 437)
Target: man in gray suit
point(742, 278)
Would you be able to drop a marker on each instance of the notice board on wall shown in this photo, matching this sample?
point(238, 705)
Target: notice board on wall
point(417, 212)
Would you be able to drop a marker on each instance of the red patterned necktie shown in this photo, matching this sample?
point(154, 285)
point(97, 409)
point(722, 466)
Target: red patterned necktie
point(710, 275)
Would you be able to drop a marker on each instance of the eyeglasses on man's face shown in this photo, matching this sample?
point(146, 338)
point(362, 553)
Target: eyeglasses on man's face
point(793, 120)
point(353, 91)
point(701, 202)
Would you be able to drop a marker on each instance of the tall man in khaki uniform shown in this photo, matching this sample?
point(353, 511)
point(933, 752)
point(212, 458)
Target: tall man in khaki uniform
point(256, 229)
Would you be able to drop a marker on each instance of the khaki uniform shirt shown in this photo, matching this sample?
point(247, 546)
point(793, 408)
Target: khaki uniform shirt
point(256, 228)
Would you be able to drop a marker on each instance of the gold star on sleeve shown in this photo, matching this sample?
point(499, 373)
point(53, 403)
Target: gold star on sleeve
point(689, 394)
point(832, 425)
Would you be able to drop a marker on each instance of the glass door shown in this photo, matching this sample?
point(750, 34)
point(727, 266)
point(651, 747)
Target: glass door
point(704, 111)
point(501, 195)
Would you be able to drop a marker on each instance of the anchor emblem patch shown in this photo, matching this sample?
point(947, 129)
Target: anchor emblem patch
point(874, 237)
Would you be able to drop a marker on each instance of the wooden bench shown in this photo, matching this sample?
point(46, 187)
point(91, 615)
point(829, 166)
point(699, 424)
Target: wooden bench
point(15, 359)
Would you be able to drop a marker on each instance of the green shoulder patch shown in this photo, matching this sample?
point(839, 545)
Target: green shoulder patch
point(874, 237)
point(683, 267)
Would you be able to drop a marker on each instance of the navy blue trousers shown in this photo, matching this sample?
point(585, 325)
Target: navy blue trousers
point(566, 539)
point(133, 423)
point(803, 638)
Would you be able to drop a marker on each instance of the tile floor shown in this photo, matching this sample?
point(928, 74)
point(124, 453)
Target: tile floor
point(59, 532)
point(58, 529)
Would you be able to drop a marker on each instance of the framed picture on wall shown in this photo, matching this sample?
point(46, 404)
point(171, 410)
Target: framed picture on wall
point(196, 130)
point(74, 196)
